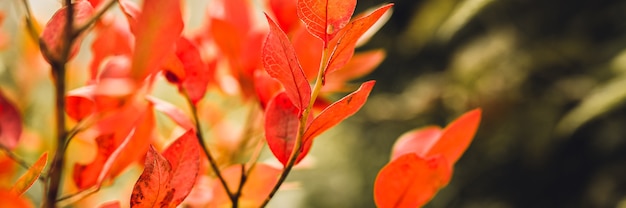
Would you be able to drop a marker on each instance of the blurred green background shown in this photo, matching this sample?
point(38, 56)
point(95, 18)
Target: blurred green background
point(550, 77)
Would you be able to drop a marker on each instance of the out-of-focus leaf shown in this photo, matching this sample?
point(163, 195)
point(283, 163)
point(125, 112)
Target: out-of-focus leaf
point(110, 204)
point(12, 200)
point(346, 39)
point(53, 34)
point(410, 181)
point(339, 111)
point(460, 16)
point(153, 188)
point(309, 51)
point(184, 157)
point(324, 18)
point(259, 183)
point(158, 28)
point(131, 12)
point(265, 86)
point(10, 123)
point(360, 65)
point(172, 111)
point(124, 138)
point(602, 100)
point(196, 77)
point(80, 102)
point(281, 126)
point(32, 174)
point(111, 38)
point(418, 141)
point(167, 179)
point(285, 12)
point(280, 61)
point(457, 136)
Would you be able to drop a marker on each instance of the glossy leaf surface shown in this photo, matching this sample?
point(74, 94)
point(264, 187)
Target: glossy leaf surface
point(32, 174)
point(281, 63)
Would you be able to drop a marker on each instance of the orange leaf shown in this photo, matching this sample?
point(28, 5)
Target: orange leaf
point(281, 126)
point(28, 179)
point(158, 28)
point(410, 181)
point(110, 204)
point(347, 38)
point(359, 65)
point(280, 62)
point(124, 137)
point(10, 123)
point(80, 102)
point(153, 188)
point(259, 182)
point(324, 18)
point(167, 179)
point(457, 136)
point(308, 49)
point(11, 200)
point(418, 141)
point(339, 111)
point(54, 34)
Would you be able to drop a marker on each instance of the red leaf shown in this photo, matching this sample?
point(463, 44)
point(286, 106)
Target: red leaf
point(111, 38)
point(410, 181)
point(80, 102)
point(266, 87)
point(10, 123)
point(26, 181)
point(184, 158)
point(338, 111)
point(286, 14)
point(172, 111)
point(259, 183)
point(347, 38)
point(457, 136)
point(418, 141)
point(324, 18)
point(168, 179)
point(196, 71)
point(281, 126)
point(308, 49)
point(131, 12)
point(280, 61)
point(53, 34)
point(153, 188)
point(158, 28)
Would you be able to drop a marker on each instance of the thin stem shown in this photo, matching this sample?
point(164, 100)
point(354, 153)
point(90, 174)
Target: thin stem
point(302, 127)
point(93, 19)
point(242, 181)
point(58, 73)
point(65, 200)
point(205, 149)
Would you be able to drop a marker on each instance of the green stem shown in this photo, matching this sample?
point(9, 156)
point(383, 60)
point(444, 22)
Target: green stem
point(295, 152)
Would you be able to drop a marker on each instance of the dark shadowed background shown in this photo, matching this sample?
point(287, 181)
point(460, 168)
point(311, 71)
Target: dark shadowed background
point(550, 77)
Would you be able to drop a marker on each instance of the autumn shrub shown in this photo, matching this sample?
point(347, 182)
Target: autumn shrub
point(281, 60)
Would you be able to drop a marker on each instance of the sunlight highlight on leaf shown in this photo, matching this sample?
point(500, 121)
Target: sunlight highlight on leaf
point(324, 18)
